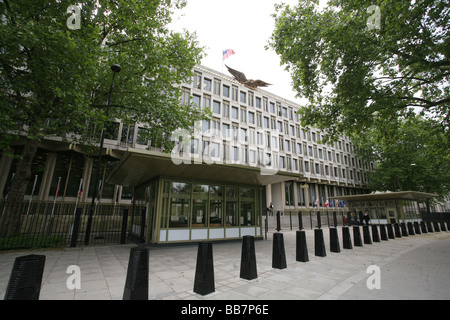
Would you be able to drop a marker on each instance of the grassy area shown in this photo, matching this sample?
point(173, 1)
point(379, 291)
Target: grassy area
point(31, 242)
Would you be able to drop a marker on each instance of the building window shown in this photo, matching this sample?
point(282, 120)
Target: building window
point(197, 80)
point(207, 85)
point(226, 91)
point(217, 87)
point(234, 93)
point(235, 113)
point(243, 114)
point(251, 118)
point(226, 110)
point(243, 97)
point(216, 107)
point(258, 103)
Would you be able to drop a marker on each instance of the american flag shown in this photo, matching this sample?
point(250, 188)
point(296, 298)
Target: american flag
point(227, 53)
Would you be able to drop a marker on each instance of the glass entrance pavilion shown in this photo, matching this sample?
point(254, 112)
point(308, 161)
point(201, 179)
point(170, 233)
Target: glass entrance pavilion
point(196, 202)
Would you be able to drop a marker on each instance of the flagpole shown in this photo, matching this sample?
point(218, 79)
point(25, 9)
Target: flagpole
point(78, 196)
point(32, 192)
point(56, 195)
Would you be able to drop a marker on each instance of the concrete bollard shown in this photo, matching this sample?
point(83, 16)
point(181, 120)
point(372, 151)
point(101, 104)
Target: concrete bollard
point(248, 259)
point(410, 228)
point(334, 240)
point(357, 241)
point(383, 233)
point(278, 253)
point(301, 250)
point(136, 285)
point(319, 243)
point(366, 235)
point(417, 227)
point(26, 278)
point(443, 226)
point(204, 271)
point(347, 241)
point(375, 234)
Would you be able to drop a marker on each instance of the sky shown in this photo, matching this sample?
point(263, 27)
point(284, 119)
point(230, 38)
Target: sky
point(244, 26)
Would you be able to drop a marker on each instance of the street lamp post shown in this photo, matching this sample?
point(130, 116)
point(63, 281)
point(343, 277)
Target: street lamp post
point(115, 69)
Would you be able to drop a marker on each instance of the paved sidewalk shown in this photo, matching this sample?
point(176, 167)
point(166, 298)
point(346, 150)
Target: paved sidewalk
point(414, 267)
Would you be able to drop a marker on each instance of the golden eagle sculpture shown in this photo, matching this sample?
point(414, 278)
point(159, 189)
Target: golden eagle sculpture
point(249, 83)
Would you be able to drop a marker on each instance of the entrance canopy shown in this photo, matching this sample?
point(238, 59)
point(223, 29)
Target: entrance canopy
point(137, 167)
point(402, 195)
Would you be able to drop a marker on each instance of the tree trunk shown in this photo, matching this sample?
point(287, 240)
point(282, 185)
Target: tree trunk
point(10, 219)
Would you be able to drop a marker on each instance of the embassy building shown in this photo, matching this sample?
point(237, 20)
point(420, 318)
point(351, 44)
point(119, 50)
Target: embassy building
point(218, 183)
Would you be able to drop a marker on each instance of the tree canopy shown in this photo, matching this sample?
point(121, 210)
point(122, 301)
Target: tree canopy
point(409, 155)
point(55, 72)
point(56, 79)
point(363, 62)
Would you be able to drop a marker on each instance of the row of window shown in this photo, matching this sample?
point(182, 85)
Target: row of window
point(230, 153)
point(225, 110)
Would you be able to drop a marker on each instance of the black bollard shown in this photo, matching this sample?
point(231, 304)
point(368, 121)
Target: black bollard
point(26, 278)
point(301, 252)
point(248, 259)
point(319, 243)
point(136, 285)
point(334, 240)
point(366, 235)
point(429, 227)
point(357, 241)
point(398, 233)
point(278, 221)
point(417, 227)
point(383, 232)
point(404, 231)
point(204, 271)
point(390, 230)
point(347, 241)
point(278, 254)
point(375, 234)
point(423, 227)
point(436, 226)
point(410, 228)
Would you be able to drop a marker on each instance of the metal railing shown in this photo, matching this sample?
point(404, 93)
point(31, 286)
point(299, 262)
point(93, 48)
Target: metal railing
point(58, 224)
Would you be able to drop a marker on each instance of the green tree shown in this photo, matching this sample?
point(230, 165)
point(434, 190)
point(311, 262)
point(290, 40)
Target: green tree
point(55, 75)
point(360, 62)
point(409, 155)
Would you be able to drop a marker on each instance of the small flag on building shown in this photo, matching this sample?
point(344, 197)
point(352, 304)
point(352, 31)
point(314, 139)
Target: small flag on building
point(227, 53)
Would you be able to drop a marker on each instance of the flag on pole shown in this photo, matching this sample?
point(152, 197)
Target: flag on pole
point(80, 189)
point(58, 188)
point(326, 203)
point(227, 53)
point(316, 203)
